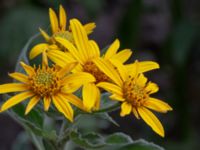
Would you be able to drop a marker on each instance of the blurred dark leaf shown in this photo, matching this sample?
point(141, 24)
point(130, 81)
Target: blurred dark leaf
point(17, 27)
point(182, 40)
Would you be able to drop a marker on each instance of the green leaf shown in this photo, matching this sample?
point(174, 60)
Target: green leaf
point(140, 145)
point(118, 138)
point(89, 141)
point(116, 141)
point(107, 117)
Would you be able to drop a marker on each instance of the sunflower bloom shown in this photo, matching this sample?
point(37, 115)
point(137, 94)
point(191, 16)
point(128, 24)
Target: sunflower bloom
point(59, 29)
point(50, 84)
point(131, 88)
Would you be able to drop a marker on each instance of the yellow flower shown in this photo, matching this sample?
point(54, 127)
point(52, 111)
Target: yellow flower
point(47, 84)
point(59, 26)
point(59, 29)
point(86, 51)
point(131, 88)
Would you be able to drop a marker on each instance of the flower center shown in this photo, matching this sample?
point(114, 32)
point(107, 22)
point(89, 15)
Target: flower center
point(90, 67)
point(134, 93)
point(45, 82)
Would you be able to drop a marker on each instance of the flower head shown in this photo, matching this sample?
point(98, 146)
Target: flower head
point(131, 88)
point(59, 29)
point(47, 84)
point(59, 26)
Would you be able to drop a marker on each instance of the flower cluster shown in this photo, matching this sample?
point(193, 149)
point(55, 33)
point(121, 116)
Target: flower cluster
point(77, 63)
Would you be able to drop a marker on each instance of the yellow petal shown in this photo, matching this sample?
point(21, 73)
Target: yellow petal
point(125, 109)
point(89, 27)
point(54, 21)
point(19, 76)
point(15, 100)
point(151, 120)
point(151, 88)
point(112, 88)
point(79, 78)
point(65, 70)
point(117, 97)
point(141, 80)
point(123, 55)
point(133, 69)
point(60, 58)
point(64, 107)
point(90, 95)
point(148, 65)
point(38, 49)
point(70, 88)
point(109, 70)
point(80, 38)
point(95, 52)
point(157, 105)
point(63, 18)
point(120, 68)
point(74, 100)
point(135, 113)
point(112, 50)
point(70, 47)
point(45, 35)
point(28, 69)
point(44, 60)
point(144, 66)
point(32, 103)
point(12, 87)
point(47, 102)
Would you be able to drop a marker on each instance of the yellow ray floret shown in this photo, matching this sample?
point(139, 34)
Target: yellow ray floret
point(47, 84)
point(134, 92)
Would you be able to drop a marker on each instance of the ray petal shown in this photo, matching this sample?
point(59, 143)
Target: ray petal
point(38, 49)
point(15, 100)
point(157, 105)
point(28, 69)
point(123, 55)
point(73, 99)
point(95, 52)
point(89, 27)
point(63, 106)
point(19, 77)
point(125, 109)
point(45, 35)
point(13, 87)
point(109, 70)
point(70, 47)
point(32, 103)
point(90, 95)
point(54, 21)
point(60, 58)
point(80, 38)
point(62, 18)
point(112, 50)
point(47, 103)
point(151, 120)
point(151, 88)
point(110, 87)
